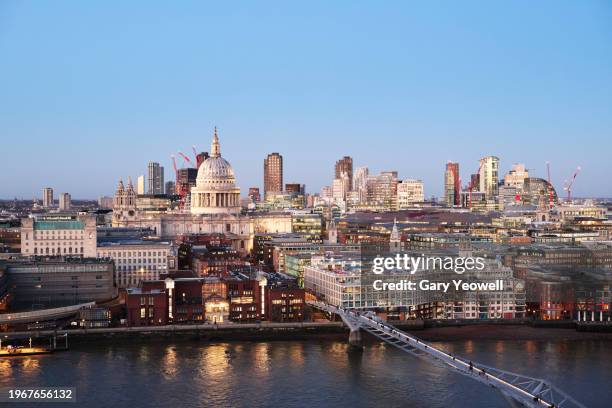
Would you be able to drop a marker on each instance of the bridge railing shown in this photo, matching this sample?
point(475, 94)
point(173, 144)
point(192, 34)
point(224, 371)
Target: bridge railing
point(532, 392)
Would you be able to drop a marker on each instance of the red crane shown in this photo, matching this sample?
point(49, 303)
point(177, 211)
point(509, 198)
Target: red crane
point(570, 183)
point(184, 156)
point(471, 186)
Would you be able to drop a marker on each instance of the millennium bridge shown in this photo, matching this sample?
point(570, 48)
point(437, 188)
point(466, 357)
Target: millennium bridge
point(518, 389)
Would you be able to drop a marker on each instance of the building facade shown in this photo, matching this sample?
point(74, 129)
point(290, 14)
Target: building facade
point(64, 202)
point(452, 187)
point(55, 282)
point(409, 192)
point(273, 174)
point(137, 260)
point(215, 191)
point(155, 179)
point(55, 235)
point(48, 197)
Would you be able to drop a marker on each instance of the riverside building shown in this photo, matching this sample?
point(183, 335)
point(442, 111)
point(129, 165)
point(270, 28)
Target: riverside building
point(66, 235)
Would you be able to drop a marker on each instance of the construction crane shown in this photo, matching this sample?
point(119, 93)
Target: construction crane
point(471, 186)
point(569, 183)
point(184, 156)
point(195, 153)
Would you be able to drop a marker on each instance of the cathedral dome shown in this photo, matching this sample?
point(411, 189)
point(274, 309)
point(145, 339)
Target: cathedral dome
point(215, 170)
point(215, 190)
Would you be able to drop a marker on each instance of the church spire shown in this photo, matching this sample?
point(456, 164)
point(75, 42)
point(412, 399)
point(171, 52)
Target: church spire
point(215, 148)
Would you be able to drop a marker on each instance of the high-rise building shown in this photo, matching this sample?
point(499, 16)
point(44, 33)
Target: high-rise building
point(155, 178)
point(185, 180)
point(489, 176)
point(382, 191)
point(64, 202)
point(360, 183)
point(47, 197)
point(345, 165)
point(273, 174)
point(340, 186)
point(140, 185)
point(409, 191)
point(452, 187)
point(170, 188)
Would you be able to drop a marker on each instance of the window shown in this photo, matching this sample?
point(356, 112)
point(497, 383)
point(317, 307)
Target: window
point(143, 312)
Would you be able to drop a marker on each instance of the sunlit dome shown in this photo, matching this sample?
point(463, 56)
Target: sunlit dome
point(215, 190)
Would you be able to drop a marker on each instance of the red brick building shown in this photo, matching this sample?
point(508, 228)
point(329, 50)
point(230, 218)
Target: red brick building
point(284, 304)
point(246, 300)
point(146, 307)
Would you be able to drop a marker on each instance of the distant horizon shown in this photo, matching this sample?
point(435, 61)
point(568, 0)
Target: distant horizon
point(92, 93)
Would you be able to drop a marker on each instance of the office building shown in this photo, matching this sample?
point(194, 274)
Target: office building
point(155, 179)
point(55, 282)
point(136, 260)
point(452, 187)
point(66, 235)
point(273, 174)
point(345, 166)
point(186, 180)
point(382, 191)
point(489, 177)
point(409, 192)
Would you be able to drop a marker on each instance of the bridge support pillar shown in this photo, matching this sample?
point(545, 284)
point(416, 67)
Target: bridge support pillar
point(355, 339)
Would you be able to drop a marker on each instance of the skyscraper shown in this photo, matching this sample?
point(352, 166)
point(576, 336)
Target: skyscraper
point(345, 165)
point(47, 197)
point(452, 187)
point(155, 178)
point(360, 183)
point(489, 177)
point(140, 185)
point(273, 174)
point(64, 202)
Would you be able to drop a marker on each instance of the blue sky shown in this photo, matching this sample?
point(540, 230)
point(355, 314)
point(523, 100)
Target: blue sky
point(91, 91)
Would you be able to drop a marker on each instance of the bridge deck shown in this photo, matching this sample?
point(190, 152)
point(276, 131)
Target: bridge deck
point(531, 392)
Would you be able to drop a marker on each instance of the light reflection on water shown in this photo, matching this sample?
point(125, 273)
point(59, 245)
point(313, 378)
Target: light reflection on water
point(297, 374)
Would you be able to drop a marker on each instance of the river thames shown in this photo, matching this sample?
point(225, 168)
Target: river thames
point(299, 374)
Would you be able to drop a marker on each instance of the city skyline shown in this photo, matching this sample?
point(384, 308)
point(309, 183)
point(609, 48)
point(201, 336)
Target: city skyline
point(420, 88)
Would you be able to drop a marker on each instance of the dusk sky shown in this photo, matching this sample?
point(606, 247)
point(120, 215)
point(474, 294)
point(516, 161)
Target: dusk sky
point(92, 91)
